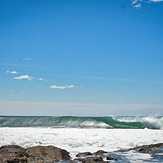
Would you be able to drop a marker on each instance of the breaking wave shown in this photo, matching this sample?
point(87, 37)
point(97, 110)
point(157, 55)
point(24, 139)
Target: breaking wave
point(82, 122)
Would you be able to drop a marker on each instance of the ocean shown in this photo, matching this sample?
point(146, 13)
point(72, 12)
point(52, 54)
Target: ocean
point(123, 122)
point(81, 134)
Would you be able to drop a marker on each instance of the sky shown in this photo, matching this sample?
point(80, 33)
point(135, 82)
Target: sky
point(85, 57)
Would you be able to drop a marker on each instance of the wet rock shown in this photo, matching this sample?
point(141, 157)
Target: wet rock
point(84, 154)
point(37, 154)
point(88, 157)
point(150, 149)
point(111, 157)
point(47, 154)
point(92, 159)
point(100, 153)
point(12, 154)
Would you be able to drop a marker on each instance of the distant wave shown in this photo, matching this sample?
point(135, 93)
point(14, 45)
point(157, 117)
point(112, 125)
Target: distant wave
point(82, 122)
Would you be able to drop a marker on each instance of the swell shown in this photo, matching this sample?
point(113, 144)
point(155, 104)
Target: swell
point(82, 122)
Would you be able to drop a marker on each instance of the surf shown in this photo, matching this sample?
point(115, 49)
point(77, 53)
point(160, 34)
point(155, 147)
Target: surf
point(125, 122)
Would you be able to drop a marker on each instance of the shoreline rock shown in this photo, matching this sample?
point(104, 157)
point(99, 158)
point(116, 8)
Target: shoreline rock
point(52, 154)
point(48, 153)
point(150, 149)
point(36, 154)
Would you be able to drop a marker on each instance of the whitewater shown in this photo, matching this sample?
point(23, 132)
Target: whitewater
point(77, 140)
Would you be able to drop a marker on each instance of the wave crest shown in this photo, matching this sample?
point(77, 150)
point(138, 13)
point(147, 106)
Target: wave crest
point(84, 122)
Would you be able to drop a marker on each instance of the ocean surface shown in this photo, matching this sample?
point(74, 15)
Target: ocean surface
point(77, 140)
point(123, 122)
point(81, 134)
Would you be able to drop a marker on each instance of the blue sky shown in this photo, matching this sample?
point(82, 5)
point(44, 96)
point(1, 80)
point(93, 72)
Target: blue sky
point(85, 57)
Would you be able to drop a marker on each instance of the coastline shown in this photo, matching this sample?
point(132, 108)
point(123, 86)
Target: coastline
point(52, 154)
point(77, 140)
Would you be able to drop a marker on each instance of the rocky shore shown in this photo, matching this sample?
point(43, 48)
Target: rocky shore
point(52, 154)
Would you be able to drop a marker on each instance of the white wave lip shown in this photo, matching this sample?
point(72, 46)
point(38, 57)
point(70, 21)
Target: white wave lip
point(84, 124)
point(94, 124)
point(153, 121)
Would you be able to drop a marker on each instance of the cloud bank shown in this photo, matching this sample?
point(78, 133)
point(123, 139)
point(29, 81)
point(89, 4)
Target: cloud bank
point(77, 108)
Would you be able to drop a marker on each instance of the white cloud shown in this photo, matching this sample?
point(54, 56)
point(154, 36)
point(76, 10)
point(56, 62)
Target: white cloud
point(135, 1)
point(23, 77)
point(12, 72)
point(138, 3)
point(61, 87)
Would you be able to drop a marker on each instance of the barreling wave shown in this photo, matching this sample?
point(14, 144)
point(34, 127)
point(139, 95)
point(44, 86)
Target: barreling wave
point(82, 122)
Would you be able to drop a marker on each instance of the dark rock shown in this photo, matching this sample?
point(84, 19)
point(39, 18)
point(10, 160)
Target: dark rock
point(153, 148)
point(12, 154)
point(37, 154)
point(88, 157)
point(92, 159)
point(84, 154)
point(100, 153)
point(47, 153)
point(111, 157)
